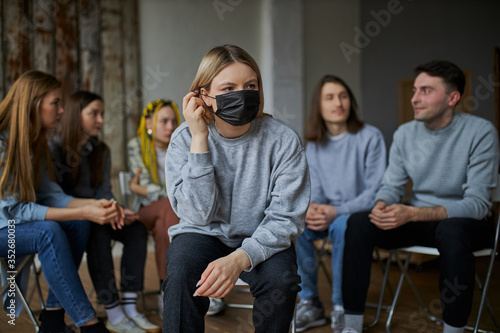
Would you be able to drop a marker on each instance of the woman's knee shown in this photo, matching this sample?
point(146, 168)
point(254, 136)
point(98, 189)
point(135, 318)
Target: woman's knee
point(50, 231)
point(139, 231)
point(278, 275)
point(182, 261)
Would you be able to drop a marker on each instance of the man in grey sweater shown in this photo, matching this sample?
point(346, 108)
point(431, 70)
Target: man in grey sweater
point(452, 160)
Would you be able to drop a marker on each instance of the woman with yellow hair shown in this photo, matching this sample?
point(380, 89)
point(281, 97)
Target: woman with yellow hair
point(146, 158)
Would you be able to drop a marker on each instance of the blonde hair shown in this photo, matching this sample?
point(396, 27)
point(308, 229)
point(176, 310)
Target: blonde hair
point(26, 145)
point(147, 141)
point(215, 61)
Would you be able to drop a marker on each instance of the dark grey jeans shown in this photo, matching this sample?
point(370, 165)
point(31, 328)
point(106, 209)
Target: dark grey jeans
point(274, 283)
point(100, 259)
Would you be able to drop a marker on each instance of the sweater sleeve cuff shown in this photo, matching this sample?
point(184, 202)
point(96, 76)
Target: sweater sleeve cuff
point(64, 202)
point(387, 199)
point(255, 255)
point(200, 164)
point(200, 159)
point(40, 213)
point(457, 209)
point(341, 210)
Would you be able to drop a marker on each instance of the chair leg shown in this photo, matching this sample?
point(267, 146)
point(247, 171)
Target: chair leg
point(385, 282)
point(143, 300)
point(484, 299)
point(396, 294)
point(36, 273)
point(406, 276)
point(19, 268)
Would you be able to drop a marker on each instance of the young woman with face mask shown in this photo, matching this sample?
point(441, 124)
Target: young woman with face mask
point(239, 182)
point(45, 219)
point(83, 169)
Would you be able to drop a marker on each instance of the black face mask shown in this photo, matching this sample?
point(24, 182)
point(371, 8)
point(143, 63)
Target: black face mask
point(238, 107)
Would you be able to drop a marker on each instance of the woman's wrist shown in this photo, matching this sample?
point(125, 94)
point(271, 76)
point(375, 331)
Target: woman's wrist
point(81, 212)
point(199, 143)
point(241, 259)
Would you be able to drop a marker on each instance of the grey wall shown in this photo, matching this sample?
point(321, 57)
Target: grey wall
point(294, 42)
point(327, 24)
point(464, 32)
point(175, 35)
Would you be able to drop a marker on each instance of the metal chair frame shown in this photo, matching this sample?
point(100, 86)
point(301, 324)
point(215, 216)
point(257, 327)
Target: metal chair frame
point(27, 260)
point(379, 306)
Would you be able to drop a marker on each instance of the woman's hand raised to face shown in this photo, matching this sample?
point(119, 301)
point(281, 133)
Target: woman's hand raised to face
point(193, 111)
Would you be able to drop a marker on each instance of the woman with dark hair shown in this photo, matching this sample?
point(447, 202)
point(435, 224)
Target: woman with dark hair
point(83, 169)
point(347, 160)
point(45, 219)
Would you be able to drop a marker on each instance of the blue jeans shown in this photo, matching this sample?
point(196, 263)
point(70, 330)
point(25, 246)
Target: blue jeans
point(306, 259)
point(60, 246)
point(273, 283)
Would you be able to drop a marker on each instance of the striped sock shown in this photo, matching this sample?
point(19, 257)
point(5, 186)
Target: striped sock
point(115, 312)
point(129, 300)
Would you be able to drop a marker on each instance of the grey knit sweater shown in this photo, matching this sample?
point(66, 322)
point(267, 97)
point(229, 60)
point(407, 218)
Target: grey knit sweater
point(455, 167)
point(251, 192)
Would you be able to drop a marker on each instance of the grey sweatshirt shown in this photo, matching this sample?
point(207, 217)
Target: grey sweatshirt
point(455, 166)
point(251, 192)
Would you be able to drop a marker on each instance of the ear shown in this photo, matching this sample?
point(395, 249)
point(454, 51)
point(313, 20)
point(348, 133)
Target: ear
point(207, 100)
point(149, 123)
point(453, 98)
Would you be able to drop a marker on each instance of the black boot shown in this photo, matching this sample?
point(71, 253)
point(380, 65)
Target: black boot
point(95, 328)
point(53, 322)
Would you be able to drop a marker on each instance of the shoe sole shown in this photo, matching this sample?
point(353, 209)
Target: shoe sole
point(216, 313)
point(312, 324)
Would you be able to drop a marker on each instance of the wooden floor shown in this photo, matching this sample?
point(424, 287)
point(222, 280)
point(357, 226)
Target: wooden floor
point(408, 317)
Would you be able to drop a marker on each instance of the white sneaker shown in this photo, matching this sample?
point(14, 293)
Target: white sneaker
point(124, 326)
point(349, 330)
point(337, 320)
point(141, 321)
point(217, 305)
